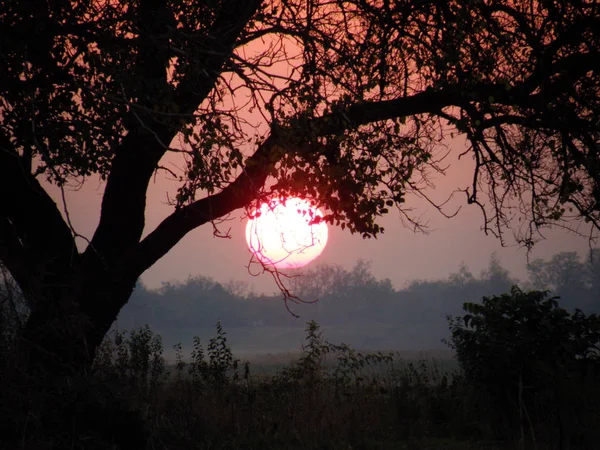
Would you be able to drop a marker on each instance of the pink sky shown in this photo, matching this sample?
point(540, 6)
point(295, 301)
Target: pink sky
point(400, 254)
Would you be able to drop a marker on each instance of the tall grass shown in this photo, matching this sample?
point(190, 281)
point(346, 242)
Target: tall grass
point(331, 397)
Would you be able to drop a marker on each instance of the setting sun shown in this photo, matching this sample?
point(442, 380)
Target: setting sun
point(285, 233)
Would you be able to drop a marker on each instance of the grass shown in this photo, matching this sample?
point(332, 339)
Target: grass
point(324, 396)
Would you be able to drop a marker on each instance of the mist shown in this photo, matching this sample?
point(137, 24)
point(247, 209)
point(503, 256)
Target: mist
point(353, 306)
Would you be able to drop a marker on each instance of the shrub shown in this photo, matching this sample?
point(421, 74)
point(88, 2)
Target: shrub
point(531, 357)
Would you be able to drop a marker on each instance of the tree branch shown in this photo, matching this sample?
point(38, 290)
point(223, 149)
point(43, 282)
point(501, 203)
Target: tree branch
point(171, 230)
point(232, 18)
point(247, 186)
point(124, 202)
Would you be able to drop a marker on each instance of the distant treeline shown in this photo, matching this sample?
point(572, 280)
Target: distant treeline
point(355, 299)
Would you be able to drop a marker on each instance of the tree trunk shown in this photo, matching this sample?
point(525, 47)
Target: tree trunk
point(46, 389)
point(63, 333)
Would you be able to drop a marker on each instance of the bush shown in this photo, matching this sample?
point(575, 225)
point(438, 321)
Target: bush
point(535, 361)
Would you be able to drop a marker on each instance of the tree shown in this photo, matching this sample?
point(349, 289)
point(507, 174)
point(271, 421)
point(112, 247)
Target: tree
point(563, 271)
point(497, 276)
point(523, 349)
point(566, 276)
point(351, 103)
point(593, 273)
point(343, 296)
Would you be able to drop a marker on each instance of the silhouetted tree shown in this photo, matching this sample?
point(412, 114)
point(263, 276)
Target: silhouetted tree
point(462, 278)
point(593, 273)
point(351, 100)
point(497, 277)
point(531, 356)
point(567, 276)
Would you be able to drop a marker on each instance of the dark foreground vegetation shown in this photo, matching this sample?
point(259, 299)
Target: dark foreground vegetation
point(529, 378)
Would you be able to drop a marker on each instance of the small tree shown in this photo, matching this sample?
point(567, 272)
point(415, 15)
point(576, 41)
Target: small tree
point(525, 351)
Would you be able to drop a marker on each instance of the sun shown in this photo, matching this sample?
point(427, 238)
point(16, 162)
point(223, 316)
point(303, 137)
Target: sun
point(286, 234)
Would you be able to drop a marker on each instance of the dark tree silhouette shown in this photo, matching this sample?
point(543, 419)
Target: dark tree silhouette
point(530, 355)
point(354, 98)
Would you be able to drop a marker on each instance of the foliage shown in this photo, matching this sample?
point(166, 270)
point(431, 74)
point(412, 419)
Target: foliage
point(91, 83)
point(317, 400)
point(216, 370)
point(100, 410)
point(331, 396)
point(134, 359)
point(530, 355)
point(335, 396)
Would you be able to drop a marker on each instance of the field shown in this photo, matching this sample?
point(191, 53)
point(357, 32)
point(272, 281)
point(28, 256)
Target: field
point(321, 396)
point(257, 343)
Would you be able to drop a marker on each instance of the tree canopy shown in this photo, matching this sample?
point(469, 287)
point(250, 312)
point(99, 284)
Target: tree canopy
point(347, 103)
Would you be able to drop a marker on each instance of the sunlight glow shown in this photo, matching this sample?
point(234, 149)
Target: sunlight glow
point(286, 234)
